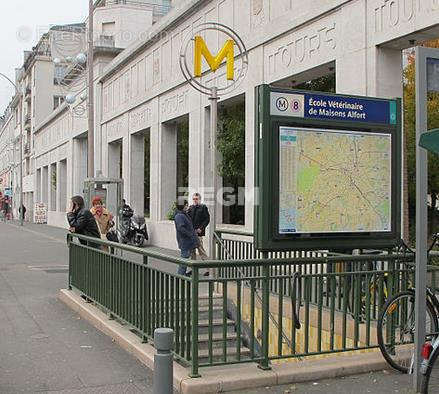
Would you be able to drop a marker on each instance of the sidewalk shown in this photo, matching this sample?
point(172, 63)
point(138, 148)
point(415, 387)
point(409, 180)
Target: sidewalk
point(47, 348)
point(384, 382)
point(44, 346)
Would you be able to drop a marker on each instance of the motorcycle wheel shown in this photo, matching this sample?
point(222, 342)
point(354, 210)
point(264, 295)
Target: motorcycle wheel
point(140, 240)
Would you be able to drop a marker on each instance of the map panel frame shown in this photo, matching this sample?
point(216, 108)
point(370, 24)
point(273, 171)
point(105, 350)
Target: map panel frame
point(274, 109)
point(293, 139)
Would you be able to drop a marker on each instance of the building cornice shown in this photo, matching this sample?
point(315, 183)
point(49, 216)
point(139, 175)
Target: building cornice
point(61, 109)
point(167, 22)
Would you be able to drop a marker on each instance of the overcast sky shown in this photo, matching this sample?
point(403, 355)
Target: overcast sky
point(22, 23)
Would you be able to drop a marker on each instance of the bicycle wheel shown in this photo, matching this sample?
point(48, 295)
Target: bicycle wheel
point(396, 327)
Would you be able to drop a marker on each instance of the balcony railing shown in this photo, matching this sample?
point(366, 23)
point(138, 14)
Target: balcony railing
point(105, 41)
point(28, 93)
point(158, 9)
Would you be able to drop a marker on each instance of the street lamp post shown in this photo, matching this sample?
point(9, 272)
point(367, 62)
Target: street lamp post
point(20, 118)
point(91, 125)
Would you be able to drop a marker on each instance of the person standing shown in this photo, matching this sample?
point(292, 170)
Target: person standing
point(81, 221)
point(200, 218)
point(6, 208)
point(103, 218)
point(186, 236)
point(22, 211)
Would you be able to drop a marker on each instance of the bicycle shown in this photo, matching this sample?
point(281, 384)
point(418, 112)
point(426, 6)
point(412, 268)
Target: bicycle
point(396, 324)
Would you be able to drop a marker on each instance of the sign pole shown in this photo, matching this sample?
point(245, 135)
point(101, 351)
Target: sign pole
point(90, 98)
point(421, 213)
point(20, 207)
point(194, 78)
point(213, 163)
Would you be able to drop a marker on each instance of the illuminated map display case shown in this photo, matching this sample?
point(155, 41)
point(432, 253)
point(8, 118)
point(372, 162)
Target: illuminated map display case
point(328, 171)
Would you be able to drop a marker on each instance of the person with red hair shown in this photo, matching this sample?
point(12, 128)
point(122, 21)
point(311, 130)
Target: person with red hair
point(103, 217)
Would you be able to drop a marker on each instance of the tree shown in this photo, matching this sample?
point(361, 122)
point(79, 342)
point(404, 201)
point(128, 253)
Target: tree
point(410, 138)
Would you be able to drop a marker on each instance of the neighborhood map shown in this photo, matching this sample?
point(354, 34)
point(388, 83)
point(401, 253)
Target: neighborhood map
point(334, 181)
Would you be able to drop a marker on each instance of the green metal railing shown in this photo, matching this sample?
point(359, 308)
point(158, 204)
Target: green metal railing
point(219, 320)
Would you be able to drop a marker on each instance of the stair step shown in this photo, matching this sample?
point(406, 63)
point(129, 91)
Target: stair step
point(203, 300)
point(217, 326)
point(217, 340)
point(217, 354)
point(217, 312)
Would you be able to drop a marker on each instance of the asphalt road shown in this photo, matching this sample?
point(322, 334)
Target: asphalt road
point(44, 346)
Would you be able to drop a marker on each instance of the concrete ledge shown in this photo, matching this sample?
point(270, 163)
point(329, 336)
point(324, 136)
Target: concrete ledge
point(230, 377)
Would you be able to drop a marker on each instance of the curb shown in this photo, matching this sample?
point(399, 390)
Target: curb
point(230, 377)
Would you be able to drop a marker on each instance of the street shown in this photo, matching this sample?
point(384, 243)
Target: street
point(44, 346)
point(47, 348)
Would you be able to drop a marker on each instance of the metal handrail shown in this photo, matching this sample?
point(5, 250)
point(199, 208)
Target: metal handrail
point(259, 298)
point(245, 262)
point(145, 295)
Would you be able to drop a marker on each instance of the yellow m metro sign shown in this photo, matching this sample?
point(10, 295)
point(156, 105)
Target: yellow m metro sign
point(227, 51)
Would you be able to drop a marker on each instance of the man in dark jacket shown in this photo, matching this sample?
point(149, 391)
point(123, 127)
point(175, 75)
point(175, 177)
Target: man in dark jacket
point(22, 211)
point(186, 237)
point(200, 217)
point(81, 220)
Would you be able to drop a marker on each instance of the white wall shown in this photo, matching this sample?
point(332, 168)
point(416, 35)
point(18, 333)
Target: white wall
point(143, 87)
point(130, 22)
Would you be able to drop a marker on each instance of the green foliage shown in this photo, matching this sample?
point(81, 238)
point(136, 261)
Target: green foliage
point(170, 215)
point(231, 144)
point(53, 180)
point(183, 154)
point(410, 141)
point(147, 169)
point(321, 84)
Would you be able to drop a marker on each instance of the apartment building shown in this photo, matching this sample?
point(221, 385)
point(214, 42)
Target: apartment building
point(48, 74)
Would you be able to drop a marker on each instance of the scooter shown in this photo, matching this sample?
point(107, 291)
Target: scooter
point(133, 231)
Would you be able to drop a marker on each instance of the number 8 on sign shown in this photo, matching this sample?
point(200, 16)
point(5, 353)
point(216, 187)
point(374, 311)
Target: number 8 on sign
point(296, 105)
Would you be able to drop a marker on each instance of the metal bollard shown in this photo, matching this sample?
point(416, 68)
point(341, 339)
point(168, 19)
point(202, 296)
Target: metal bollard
point(163, 361)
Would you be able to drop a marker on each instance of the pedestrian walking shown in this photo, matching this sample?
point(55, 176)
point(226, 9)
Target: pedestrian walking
point(186, 236)
point(22, 211)
point(81, 220)
point(200, 218)
point(6, 208)
point(2, 212)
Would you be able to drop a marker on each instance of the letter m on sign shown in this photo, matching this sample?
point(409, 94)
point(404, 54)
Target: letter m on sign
point(227, 51)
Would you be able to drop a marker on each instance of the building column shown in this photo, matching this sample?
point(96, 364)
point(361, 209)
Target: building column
point(52, 193)
point(377, 72)
point(58, 186)
point(167, 167)
point(196, 152)
point(61, 187)
point(44, 186)
point(137, 172)
point(250, 192)
point(154, 173)
point(38, 186)
point(114, 160)
point(70, 171)
point(79, 165)
point(126, 168)
point(49, 187)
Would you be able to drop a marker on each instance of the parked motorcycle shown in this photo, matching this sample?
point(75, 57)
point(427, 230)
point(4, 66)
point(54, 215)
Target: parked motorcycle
point(133, 230)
